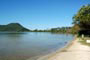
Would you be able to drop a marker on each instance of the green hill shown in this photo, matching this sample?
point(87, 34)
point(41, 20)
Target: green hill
point(13, 27)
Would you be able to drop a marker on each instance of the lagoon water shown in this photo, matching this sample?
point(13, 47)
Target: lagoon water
point(23, 46)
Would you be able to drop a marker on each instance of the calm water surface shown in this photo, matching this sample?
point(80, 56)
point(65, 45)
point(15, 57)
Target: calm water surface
point(21, 46)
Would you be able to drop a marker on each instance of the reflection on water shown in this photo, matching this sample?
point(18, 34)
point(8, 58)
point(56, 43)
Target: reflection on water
point(21, 46)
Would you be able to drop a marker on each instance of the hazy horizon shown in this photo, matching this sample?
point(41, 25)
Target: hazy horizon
point(39, 14)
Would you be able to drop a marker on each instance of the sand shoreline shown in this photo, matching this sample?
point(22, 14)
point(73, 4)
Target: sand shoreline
point(46, 57)
point(73, 51)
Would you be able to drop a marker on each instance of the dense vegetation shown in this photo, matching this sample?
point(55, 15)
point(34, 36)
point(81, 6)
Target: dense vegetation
point(14, 27)
point(61, 30)
point(81, 20)
point(56, 30)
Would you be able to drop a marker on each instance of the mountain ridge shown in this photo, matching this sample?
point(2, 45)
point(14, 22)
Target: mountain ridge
point(13, 27)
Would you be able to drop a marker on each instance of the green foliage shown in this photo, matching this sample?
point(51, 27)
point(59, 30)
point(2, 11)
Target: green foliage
point(82, 19)
point(15, 27)
point(56, 30)
point(75, 29)
point(36, 30)
point(61, 30)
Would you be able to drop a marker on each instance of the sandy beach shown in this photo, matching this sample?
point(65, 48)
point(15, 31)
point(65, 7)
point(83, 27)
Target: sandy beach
point(76, 51)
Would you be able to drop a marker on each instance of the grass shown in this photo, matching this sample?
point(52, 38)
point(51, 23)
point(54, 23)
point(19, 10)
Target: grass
point(83, 40)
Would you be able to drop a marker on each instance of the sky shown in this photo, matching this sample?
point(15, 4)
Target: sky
point(40, 14)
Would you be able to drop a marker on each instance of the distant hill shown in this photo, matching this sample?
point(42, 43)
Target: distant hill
point(13, 27)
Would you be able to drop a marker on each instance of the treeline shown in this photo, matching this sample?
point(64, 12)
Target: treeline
point(56, 30)
point(61, 30)
point(16, 27)
point(38, 30)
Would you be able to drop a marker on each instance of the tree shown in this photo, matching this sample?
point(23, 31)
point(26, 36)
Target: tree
point(82, 18)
